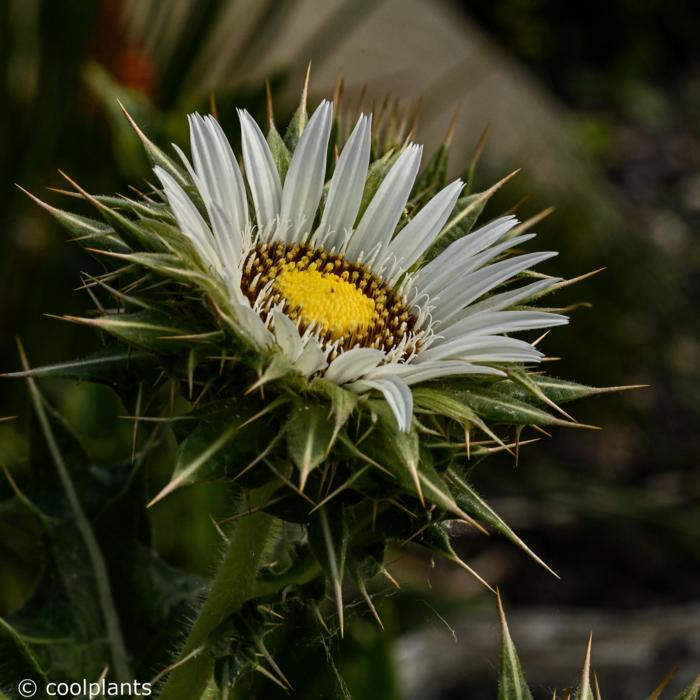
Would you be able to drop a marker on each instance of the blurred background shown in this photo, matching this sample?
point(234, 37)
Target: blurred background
point(599, 104)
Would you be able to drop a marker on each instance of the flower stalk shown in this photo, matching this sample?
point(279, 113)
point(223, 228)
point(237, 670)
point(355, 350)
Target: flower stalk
point(233, 586)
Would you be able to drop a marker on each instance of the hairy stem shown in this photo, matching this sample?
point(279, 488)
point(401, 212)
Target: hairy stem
point(233, 586)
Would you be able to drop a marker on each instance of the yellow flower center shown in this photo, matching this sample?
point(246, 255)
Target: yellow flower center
point(326, 300)
point(345, 303)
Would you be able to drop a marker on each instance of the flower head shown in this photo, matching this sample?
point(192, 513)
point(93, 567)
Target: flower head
point(336, 276)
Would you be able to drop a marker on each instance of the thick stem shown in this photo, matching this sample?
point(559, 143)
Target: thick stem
point(233, 586)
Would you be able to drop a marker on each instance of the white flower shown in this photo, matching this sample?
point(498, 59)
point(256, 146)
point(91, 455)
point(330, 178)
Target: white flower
point(348, 297)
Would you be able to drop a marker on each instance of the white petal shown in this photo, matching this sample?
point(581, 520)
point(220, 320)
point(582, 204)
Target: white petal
point(189, 219)
point(462, 264)
point(413, 373)
point(397, 395)
point(471, 244)
point(252, 325)
point(482, 348)
point(312, 358)
point(463, 291)
point(417, 236)
point(352, 364)
point(385, 209)
point(493, 322)
point(261, 172)
point(303, 185)
point(287, 335)
point(503, 300)
point(347, 185)
point(218, 171)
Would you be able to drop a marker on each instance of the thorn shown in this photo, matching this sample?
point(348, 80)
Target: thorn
point(516, 207)
point(452, 126)
point(413, 468)
point(363, 590)
point(271, 676)
point(391, 579)
point(268, 103)
point(535, 343)
point(656, 694)
point(212, 105)
point(478, 149)
point(586, 676)
point(338, 590)
point(598, 696)
point(532, 221)
point(218, 529)
point(338, 90)
point(305, 89)
point(418, 110)
point(471, 571)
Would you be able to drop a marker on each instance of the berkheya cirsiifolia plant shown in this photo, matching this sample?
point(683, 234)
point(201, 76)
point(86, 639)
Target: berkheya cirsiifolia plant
point(344, 339)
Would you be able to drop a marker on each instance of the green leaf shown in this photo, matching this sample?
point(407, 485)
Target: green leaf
point(310, 436)
point(559, 390)
point(500, 407)
point(110, 365)
point(328, 539)
point(511, 681)
point(343, 402)
point(224, 442)
point(279, 150)
point(74, 543)
point(399, 451)
point(434, 175)
point(17, 659)
point(91, 233)
point(435, 538)
point(150, 330)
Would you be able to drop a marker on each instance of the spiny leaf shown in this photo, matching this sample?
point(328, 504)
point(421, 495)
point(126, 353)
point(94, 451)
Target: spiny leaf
point(691, 692)
point(146, 329)
point(279, 150)
point(210, 448)
point(343, 402)
point(526, 381)
point(155, 154)
point(656, 693)
point(471, 502)
point(298, 122)
point(328, 538)
point(560, 390)
point(105, 366)
point(585, 692)
point(17, 659)
point(310, 435)
point(511, 681)
point(434, 175)
point(497, 407)
point(437, 540)
point(82, 228)
point(400, 450)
